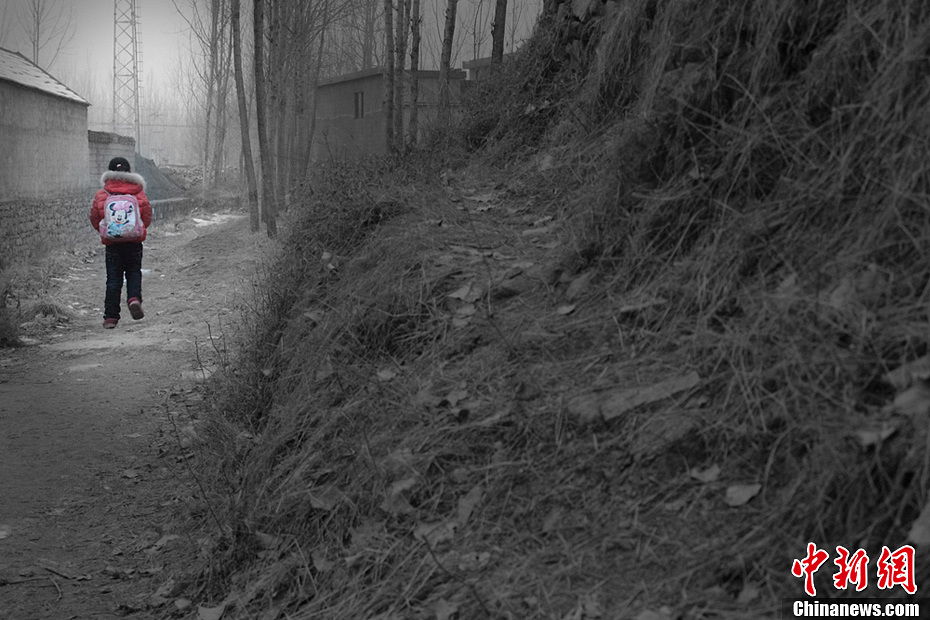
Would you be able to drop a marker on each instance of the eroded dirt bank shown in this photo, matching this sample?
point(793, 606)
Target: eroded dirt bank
point(94, 426)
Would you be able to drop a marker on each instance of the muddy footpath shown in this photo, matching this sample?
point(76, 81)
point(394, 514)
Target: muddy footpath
point(95, 427)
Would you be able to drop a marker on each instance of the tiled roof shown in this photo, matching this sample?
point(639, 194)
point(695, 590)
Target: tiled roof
point(15, 67)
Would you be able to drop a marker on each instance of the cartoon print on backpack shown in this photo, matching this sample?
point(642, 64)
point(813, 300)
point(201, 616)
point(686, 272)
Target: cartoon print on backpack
point(120, 220)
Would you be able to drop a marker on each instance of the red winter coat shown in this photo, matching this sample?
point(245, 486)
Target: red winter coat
point(116, 182)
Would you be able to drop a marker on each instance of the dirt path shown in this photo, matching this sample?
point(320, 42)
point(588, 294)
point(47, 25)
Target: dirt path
point(92, 474)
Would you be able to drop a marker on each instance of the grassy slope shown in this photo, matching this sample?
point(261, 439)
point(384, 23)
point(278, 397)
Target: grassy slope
point(736, 190)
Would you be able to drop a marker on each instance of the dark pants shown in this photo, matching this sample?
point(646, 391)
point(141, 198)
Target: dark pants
point(123, 259)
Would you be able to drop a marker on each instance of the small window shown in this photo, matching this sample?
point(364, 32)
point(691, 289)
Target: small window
point(359, 104)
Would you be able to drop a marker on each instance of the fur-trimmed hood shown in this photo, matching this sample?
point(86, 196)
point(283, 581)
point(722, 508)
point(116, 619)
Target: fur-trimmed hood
point(126, 177)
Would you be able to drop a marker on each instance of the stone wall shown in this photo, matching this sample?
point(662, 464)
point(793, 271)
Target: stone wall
point(32, 228)
point(43, 142)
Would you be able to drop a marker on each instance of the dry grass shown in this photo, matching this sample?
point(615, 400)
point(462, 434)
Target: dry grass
point(757, 173)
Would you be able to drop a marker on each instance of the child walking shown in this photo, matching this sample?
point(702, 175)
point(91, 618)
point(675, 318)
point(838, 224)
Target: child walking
point(116, 213)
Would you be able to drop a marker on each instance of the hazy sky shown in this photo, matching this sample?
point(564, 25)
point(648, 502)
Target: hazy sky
point(89, 53)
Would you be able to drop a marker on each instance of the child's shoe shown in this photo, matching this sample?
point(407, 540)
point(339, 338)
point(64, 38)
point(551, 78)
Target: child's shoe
point(135, 308)
point(110, 323)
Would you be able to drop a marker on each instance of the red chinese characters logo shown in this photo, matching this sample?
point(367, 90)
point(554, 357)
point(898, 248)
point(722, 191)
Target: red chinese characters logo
point(808, 566)
point(894, 568)
point(851, 569)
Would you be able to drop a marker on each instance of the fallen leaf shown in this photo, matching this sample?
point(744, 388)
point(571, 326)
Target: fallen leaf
point(468, 503)
point(914, 401)
point(473, 561)
point(461, 292)
point(631, 307)
point(267, 541)
point(454, 397)
point(467, 292)
point(460, 322)
point(739, 494)
point(435, 533)
point(552, 520)
point(324, 498)
point(588, 608)
point(160, 544)
point(386, 374)
point(485, 197)
point(869, 437)
point(706, 475)
point(843, 295)
point(907, 374)
point(586, 408)
point(618, 403)
point(919, 533)
point(748, 594)
point(395, 502)
point(211, 613)
point(161, 594)
point(314, 315)
point(578, 286)
point(320, 563)
point(444, 610)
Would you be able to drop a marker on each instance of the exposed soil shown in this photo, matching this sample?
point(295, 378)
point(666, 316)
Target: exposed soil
point(96, 424)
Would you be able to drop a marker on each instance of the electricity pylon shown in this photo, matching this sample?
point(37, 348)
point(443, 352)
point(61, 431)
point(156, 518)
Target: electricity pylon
point(127, 67)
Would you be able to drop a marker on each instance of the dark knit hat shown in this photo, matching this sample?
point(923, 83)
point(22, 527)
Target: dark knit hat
point(119, 163)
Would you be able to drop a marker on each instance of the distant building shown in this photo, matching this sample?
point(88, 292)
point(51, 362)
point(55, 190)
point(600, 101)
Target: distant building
point(43, 131)
point(479, 68)
point(350, 111)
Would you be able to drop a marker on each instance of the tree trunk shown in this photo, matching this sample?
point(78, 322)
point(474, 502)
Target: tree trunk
point(368, 40)
point(222, 94)
point(445, 112)
point(264, 154)
point(403, 24)
point(388, 76)
point(211, 90)
point(314, 82)
point(254, 221)
point(413, 128)
point(497, 32)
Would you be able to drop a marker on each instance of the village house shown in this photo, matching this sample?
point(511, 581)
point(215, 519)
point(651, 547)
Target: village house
point(49, 163)
point(350, 111)
point(43, 130)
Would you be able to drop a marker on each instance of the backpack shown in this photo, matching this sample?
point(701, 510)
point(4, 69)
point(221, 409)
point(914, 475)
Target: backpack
point(121, 218)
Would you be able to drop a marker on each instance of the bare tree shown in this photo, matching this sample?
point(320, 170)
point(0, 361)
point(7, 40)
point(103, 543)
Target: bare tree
point(264, 153)
point(389, 75)
point(415, 19)
point(244, 117)
point(49, 27)
point(400, 41)
point(497, 31)
point(445, 112)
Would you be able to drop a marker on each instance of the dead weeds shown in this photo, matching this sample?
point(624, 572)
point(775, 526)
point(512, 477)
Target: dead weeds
point(642, 369)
